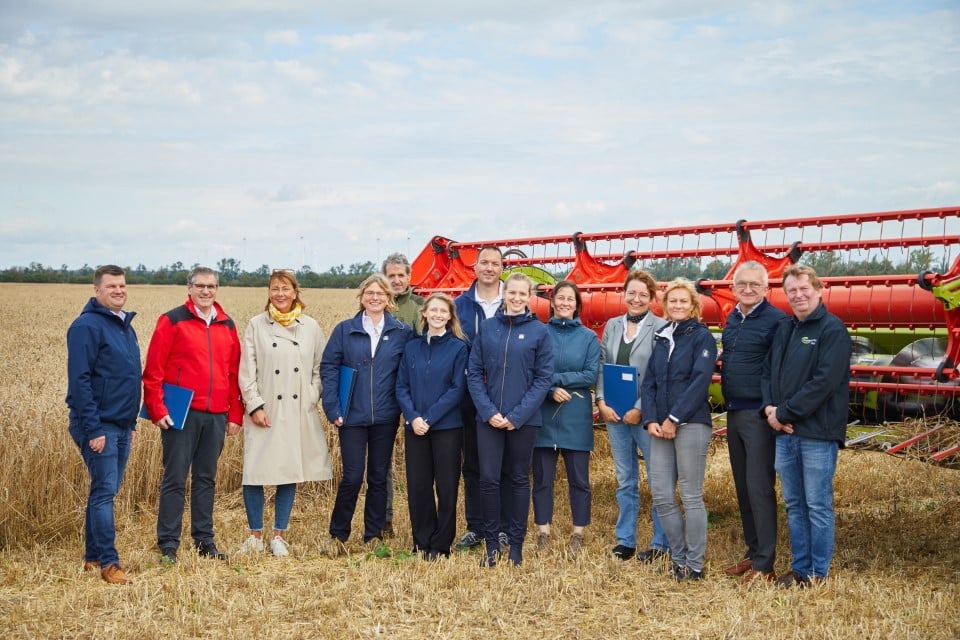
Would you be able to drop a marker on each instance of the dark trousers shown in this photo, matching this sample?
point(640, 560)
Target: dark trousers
point(752, 447)
point(472, 507)
point(433, 476)
point(577, 464)
point(507, 453)
point(370, 447)
point(194, 450)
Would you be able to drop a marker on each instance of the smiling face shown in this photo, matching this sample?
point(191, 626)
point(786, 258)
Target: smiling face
point(516, 295)
point(679, 305)
point(111, 292)
point(374, 299)
point(398, 276)
point(749, 288)
point(282, 294)
point(802, 295)
point(436, 314)
point(564, 303)
point(489, 267)
point(203, 292)
point(637, 297)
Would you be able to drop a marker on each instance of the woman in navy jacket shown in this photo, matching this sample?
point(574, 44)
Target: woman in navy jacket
point(371, 343)
point(677, 414)
point(567, 416)
point(509, 374)
point(431, 383)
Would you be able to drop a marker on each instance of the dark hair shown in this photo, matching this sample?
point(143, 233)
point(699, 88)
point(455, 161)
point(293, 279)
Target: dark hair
point(395, 258)
point(642, 276)
point(567, 284)
point(490, 247)
point(106, 270)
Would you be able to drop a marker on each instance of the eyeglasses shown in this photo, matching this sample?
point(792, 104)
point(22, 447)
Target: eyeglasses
point(204, 287)
point(743, 286)
point(374, 294)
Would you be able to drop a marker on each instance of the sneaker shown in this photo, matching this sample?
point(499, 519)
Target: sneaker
point(504, 541)
point(543, 541)
point(89, 565)
point(333, 547)
point(652, 555)
point(387, 531)
point(113, 574)
point(253, 544)
point(469, 540)
point(168, 556)
point(575, 546)
point(209, 550)
point(623, 552)
point(278, 546)
point(683, 573)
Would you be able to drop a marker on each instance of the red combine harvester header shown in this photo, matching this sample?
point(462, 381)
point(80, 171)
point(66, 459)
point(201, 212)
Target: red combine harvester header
point(893, 277)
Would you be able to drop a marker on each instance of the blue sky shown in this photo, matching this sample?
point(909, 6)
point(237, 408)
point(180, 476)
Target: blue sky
point(331, 133)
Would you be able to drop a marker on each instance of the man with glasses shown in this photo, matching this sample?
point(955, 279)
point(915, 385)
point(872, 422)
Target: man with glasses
point(195, 346)
point(747, 336)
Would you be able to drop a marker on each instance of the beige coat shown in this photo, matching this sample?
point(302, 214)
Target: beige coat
point(280, 371)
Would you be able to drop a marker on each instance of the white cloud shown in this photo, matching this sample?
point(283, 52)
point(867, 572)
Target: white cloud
point(289, 37)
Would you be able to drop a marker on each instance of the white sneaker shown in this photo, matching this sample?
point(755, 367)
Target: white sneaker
point(253, 544)
point(279, 546)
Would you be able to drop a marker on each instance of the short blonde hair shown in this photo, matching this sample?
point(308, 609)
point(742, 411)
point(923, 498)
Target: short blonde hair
point(381, 281)
point(797, 270)
point(683, 283)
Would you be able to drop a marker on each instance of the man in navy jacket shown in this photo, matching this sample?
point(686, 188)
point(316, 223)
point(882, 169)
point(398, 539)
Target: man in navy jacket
point(103, 393)
point(805, 385)
point(747, 336)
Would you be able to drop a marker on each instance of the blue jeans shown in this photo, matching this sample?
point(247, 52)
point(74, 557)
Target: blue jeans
point(106, 473)
point(682, 462)
point(282, 505)
point(806, 467)
point(625, 439)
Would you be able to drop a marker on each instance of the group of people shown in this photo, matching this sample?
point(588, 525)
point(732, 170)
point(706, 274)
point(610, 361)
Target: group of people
point(483, 389)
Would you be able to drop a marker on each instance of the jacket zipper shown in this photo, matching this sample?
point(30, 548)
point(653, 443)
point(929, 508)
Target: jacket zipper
point(506, 348)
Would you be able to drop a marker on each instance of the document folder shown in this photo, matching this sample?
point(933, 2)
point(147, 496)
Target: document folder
point(620, 387)
point(177, 399)
point(348, 379)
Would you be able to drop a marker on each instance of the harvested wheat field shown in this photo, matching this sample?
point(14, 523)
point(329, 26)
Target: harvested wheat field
point(895, 573)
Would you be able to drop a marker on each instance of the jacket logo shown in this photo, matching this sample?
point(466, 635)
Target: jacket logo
point(385, 338)
point(706, 354)
point(808, 341)
point(520, 336)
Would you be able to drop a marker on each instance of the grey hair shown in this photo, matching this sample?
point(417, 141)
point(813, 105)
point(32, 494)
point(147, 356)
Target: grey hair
point(754, 266)
point(395, 258)
point(202, 271)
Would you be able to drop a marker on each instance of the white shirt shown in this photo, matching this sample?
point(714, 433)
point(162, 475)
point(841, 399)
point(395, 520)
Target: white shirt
point(490, 308)
point(373, 330)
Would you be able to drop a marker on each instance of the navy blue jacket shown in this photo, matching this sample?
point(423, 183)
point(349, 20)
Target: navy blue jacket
point(807, 375)
point(746, 341)
point(103, 372)
point(511, 368)
point(469, 312)
point(432, 381)
point(676, 385)
point(374, 398)
point(576, 361)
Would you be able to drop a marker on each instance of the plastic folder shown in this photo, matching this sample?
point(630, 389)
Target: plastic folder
point(348, 380)
point(178, 401)
point(620, 387)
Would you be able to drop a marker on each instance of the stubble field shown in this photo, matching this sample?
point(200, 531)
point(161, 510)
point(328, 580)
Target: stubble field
point(895, 573)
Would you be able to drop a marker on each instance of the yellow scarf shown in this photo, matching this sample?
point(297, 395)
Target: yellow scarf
point(285, 319)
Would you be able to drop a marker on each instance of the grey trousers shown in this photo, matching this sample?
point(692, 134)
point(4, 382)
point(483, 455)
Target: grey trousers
point(682, 461)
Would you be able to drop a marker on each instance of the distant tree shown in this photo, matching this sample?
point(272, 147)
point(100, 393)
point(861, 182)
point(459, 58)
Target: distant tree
point(229, 269)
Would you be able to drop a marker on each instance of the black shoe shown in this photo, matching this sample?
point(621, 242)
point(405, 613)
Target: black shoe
point(623, 552)
point(467, 541)
point(682, 573)
point(652, 555)
point(168, 556)
point(793, 579)
point(209, 550)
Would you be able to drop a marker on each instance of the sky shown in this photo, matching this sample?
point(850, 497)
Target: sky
point(297, 132)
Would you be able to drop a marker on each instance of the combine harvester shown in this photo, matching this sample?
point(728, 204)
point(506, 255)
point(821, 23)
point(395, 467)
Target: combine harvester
point(893, 277)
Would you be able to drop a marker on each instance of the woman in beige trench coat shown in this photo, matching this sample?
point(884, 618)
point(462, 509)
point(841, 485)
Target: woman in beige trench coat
point(283, 437)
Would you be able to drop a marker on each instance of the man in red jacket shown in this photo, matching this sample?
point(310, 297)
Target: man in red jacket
point(194, 346)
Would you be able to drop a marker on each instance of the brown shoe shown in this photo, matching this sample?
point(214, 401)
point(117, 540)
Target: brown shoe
point(543, 541)
point(760, 576)
point(792, 579)
point(576, 544)
point(113, 574)
point(89, 565)
point(387, 531)
point(740, 568)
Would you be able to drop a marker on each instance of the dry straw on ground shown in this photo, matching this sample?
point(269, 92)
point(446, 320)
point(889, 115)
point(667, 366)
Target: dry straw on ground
point(895, 573)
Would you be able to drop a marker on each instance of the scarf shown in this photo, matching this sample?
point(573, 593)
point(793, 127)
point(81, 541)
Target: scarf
point(285, 319)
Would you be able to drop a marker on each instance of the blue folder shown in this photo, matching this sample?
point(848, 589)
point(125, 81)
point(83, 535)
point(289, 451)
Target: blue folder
point(177, 399)
point(620, 387)
point(348, 379)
